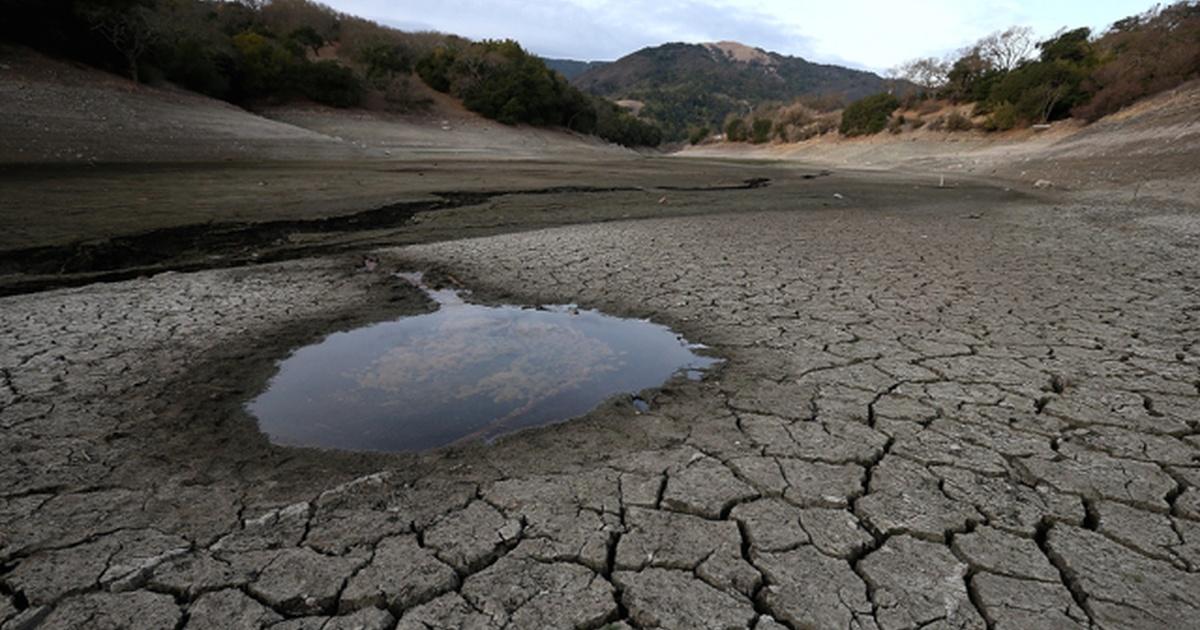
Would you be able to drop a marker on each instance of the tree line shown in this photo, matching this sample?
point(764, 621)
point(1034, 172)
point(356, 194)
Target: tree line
point(1015, 80)
point(267, 51)
point(500, 80)
point(1009, 79)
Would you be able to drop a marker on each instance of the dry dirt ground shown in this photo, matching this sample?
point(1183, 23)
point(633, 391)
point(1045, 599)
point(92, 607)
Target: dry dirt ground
point(1146, 153)
point(966, 407)
point(974, 410)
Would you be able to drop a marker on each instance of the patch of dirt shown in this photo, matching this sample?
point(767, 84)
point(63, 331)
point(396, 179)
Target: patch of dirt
point(65, 113)
point(1150, 151)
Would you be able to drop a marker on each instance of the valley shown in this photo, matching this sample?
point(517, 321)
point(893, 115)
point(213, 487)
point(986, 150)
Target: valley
point(951, 378)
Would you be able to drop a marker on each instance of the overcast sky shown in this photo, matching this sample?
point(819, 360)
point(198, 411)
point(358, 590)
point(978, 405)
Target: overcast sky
point(870, 34)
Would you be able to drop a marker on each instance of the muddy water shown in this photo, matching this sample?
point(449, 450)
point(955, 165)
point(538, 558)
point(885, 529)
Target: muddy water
point(465, 372)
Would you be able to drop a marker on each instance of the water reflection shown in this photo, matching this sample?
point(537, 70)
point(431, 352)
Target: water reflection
point(466, 372)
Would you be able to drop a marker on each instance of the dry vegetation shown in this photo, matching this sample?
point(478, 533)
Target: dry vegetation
point(258, 53)
point(1007, 80)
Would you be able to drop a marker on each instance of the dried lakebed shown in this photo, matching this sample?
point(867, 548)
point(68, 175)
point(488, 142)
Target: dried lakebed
point(966, 415)
point(463, 373)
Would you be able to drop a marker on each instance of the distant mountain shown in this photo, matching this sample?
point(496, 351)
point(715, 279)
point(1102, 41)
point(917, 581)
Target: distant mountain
point(570, 68)
point(688, 85)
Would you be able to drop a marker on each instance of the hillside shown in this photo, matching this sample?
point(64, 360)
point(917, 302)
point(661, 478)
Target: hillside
point(58, 112)
point(1148, 151)
point(298, 52)
point(570, 68)
point(691, 85)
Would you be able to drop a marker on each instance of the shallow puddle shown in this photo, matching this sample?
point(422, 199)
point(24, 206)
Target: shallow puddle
point(466, 372)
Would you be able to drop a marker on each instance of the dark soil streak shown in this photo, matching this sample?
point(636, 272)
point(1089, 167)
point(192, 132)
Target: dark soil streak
point(233, 244)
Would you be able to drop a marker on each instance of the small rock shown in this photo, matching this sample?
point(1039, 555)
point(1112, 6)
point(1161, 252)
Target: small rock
point(1043, 183)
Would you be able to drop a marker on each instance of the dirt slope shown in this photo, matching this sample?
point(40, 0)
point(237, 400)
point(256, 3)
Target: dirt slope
point(1151, 150)
point(58, 112)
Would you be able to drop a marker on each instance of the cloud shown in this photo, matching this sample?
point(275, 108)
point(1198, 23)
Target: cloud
point(586, 29)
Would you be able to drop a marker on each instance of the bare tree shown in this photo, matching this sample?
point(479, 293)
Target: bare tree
point(1006, 49)
point(928, 72)
point(130, 29)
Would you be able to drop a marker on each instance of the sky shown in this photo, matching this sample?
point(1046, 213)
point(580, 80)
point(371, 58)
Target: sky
point(868, 34)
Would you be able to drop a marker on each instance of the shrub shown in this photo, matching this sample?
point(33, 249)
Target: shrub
point(797, 115)
point(330, 83)
point(698, 135)
point(618, 126)
point(191, 64)
point(400, 97)
point(869, 115)
point(435, 68)
point(929, 107)
point(1143, 55)
point(265, 66)
point(760, 130)
point(383, 61)
point(1002, 118)
point(825, 125)
point(308, 38)
point(499, 80)
point(957, 122)
point(1042, 91)
point(896, 125)
point(735, 130)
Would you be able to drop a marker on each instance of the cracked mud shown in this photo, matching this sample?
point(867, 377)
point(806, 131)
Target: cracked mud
point(924, 422)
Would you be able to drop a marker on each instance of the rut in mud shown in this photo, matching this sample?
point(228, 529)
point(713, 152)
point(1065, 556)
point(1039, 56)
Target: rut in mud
point(231, 244)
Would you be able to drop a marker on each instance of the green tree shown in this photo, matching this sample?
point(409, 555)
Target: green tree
point(128, 25)
point(309, 38)
point(735, 130)
point(869, 115)
point(265, 65)
point(760, 130)
point(384, 61)
point(1047, 89)
point(1071, 46)
point(330, 83)
point(435, 69)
